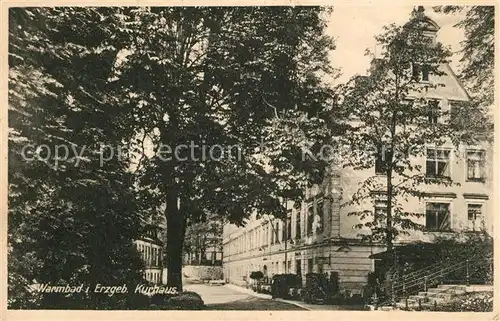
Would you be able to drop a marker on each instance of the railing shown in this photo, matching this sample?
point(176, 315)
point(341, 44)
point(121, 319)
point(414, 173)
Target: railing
point(402, 286)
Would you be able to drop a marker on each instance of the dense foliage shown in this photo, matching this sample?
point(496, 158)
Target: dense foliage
point(476, 249)
point(93, 78)
point(478, 65)
point(71, 219)
point(240, 78)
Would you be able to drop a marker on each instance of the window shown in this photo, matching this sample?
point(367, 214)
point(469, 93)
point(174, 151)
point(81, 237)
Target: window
point(298, 226)
point(310, 219)
point(289, 227)
point(309, 265)
point(475, 165)
point(380, 210)
point(475, 217)
point(415, 70)
point(298, 267)
point(383, 156)
point(438, 163)
point(321, 213)
point(276, 232)
point(433, 111)
point(420, 72)
point(437, 216)
point(284, 229)
point(425, 73)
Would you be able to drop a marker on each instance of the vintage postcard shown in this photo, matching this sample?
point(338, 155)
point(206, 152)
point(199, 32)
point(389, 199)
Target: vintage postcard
point(318, 158)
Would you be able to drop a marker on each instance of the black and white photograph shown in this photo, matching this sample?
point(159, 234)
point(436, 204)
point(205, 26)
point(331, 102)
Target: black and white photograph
point(333, 157)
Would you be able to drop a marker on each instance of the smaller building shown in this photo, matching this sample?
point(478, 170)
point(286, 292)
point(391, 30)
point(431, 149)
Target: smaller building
point(150, 248)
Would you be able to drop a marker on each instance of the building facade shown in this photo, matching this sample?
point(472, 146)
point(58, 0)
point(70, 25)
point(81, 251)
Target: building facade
point(150, 247)
point(320, 236)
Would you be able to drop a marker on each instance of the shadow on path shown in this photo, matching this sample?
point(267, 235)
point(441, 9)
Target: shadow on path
point(252, 303)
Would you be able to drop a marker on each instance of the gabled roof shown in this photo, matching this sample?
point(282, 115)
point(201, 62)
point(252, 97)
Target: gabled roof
point(457, 81)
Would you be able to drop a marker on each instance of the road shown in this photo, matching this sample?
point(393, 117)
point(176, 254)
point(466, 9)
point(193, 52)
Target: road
point(224, 298)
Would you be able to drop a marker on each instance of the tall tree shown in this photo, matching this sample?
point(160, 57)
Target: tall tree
point(205, 85)
point(72, 219)
point(392, 121)
point(478, 48)
point(202, 237)
point(474, 120)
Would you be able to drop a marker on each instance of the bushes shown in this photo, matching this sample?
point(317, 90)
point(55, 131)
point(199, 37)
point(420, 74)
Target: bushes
point(256, 275)
point(477, 248)
point(473, 302)
point(212, 273)
point(185, 301)
point(137, 301)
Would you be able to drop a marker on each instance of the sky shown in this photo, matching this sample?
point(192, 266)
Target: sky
point(355, 26)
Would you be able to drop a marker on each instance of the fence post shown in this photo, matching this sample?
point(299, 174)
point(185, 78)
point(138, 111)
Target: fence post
point(467, 271)
point(425, 283)
point(404, 286)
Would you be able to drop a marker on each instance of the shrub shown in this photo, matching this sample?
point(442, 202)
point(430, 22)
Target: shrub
point(160, 299)
point(473, 302)
point(185, 301)
point(256, 275)
point(477, 248)
point(138, 301)
point(210, 272)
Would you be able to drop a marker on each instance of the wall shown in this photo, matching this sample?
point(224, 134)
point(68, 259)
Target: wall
point(457, 195)
point(202, 272)
point(352, 262)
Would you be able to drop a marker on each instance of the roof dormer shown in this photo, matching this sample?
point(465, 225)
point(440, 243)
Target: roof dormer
point(423, 22)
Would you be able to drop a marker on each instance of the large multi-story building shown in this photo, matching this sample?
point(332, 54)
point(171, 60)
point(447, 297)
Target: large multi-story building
point(319, 235)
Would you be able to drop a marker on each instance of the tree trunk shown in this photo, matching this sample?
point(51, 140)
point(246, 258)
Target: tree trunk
point(389, 210)
point(175, 240)
point(389, 236)
point(202, 250)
